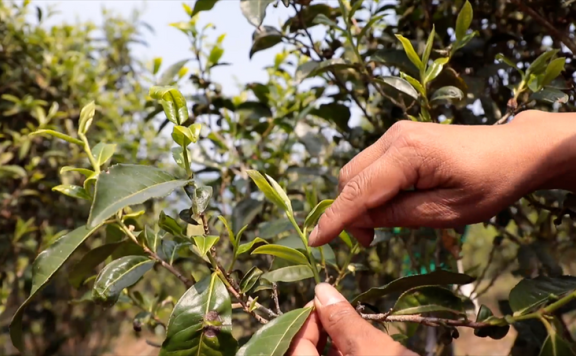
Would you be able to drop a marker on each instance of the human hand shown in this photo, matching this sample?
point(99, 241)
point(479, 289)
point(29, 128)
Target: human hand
point(350, 334)
point(461, 174)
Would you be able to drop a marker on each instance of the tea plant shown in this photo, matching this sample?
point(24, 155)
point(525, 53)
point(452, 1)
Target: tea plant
point(201, 320)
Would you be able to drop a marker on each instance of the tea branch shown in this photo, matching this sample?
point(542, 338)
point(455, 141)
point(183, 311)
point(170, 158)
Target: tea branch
point(188, 282)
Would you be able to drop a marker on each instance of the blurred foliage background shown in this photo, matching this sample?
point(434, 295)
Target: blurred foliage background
point(299, 131)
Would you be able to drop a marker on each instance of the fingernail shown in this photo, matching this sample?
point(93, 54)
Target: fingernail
point(313, 239)
point(327, 295)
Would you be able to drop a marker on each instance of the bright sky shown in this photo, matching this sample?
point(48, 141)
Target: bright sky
point(172, 45)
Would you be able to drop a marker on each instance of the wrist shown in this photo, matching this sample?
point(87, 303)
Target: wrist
point(555, 146)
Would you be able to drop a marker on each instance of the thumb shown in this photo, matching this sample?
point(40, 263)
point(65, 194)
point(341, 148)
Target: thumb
point(351, 334)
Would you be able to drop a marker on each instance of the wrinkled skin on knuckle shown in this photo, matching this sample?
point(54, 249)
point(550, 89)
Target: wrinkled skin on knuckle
point(352, 191)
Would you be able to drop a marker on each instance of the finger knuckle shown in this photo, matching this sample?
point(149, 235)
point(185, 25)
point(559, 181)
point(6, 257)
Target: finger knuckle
point(351, 191)
point(344, 176)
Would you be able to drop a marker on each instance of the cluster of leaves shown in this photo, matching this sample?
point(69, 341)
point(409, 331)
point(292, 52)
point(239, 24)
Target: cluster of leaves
point(434, 70)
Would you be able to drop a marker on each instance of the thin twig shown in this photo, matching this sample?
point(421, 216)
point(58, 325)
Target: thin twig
point(188, 282)
point(430, 321)
point(275, 297)
point(483, 274)
point(553, 30)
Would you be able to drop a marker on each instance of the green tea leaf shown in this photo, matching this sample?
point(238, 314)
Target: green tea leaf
point(201, 322)
point(254, 10)
point(337, 113)
point(228, 230)
point(434, 70)
point(289, 274)
point(446, 93)
point(173, 103)
point(127, 184)
point(550, 95)
point(201, 199)
point(274, 338)
point(117, 275)
point(264, 37)
point(58, 135)
point(555, 345)
point(427, 299)
point(205, 243)
point(314, 216)
point(178, 155)
point(250, 279)
point(169, 224)
point(248, 246)
point(102, 152)
point(410, 52)
point(502, 58)
point(532, 294)
point(399, 84)
point(464, 20)
point(539, 65)
point(429, 45)
point(168, 76)
point(85, 172)
point(73, 191)
point(439, 277)
point(203, 5)
point(156, 65)
point(311, 68)
point(86, 117)
point(271, 190)
point(414, 82)
point(44, 268)
point(84, 268)
point(150, 238)
point(182, 136)
point(553, 70)
point(286, 253)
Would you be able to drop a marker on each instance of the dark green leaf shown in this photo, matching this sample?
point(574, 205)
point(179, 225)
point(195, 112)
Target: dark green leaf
point(311, 68)
point(270, 229)
point(250, 279)
point(44, 268)
point(337, 113)
point(254, 110)
point(201, 322)
point(531, 294)
point(58, 135)
point(248, 246)
point(395, 58)
point(289, 274)
point(410, 52)
point(168, 76)
point(271, 190)
point(173, 103)
point(464, 20)
point(555, 345)
point(312, 218)
point(205, 243)
point(286, 253)
point(203, 5)
point(150, 238)
point(254, 10)
point(540, 64)
point(494, 332)
point(102, 152)
point(446, 93)
point(169, 224)
point(127, 184)
point(263, 38)
point(73, 191)
point(244, 212)
point(399, 84)
point(117, 275)
point(89, 261)
point(274, 338)
point(550, 96)
point(86, 117)
point(428, 299)
point(439, 277)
